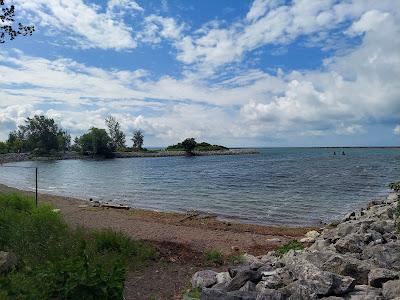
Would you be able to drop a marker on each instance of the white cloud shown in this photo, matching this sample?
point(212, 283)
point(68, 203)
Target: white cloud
point(81, 23)
point(368, 21)
point(397, 130)
point(121, 7)
point(157, 28)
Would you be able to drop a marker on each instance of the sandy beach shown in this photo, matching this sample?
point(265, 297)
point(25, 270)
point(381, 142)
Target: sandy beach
point(197, 232)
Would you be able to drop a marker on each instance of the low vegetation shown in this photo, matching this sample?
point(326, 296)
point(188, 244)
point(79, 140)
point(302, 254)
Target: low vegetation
point(195, 146)
point(56, 262)
point(214, 257)
point(292, 245)
point(395, 186)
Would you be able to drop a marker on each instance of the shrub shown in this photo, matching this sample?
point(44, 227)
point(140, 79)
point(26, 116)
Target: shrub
point(236, 258)
point(214, 257)
point(395, 186)
point(57, 262)
point(292, 245)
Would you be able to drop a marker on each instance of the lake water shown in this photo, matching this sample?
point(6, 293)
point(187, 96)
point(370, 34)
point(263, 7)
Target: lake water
point(279, 186)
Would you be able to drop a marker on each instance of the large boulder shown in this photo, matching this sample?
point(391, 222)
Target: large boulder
point(320, 283)
point(385, 256)
point(8, 261)
point(353, 243)
point(213, 294)
point(270, 294)
point(364, 292)
point(348, 266)
point(241, 278)
point(206, 278)
point(379, 276)
point(391, 289)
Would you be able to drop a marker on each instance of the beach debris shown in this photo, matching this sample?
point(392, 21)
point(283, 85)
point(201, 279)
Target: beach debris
point(56, 210)
point(114, 206)
point(358, 258)
point(83, 206)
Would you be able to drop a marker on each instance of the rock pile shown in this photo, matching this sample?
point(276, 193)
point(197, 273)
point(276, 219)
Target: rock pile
point(359, 258)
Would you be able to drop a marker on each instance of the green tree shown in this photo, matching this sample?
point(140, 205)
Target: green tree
point(64, 141)
point(7, 27)
point(15, 142)
point(189, 144)
point(39, 134)
point(137, 139)
point(96, 142)
point(3, 148)
point(114, 130)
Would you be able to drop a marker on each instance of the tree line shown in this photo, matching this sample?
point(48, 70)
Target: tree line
point(41, 135)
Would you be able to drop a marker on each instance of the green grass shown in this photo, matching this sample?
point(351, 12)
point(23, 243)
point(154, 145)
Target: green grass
point(214, 256)
point(292, 245)
point(236, 259)
point(194, 293)
point(56, 262)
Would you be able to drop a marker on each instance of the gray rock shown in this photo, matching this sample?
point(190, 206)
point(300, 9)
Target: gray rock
point(8, 261)
point(385, 256)
point(348, 266)
point(350, 243)
point(223, 277)
point(391, 289)
point(234, 270)
point(248, 287)
point(241, 278)
point(320, 282)
point(298, 290)
point(204, 278)
point(379, 276)
point(364, 292)
point(212, 294)
point(269, 294)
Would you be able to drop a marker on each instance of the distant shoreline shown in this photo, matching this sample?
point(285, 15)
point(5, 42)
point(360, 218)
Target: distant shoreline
point(18, 157)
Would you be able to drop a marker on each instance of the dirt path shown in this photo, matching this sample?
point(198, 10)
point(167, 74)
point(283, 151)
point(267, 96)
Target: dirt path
point(180, 239)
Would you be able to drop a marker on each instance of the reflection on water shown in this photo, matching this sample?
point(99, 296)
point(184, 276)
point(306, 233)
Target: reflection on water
point(281, 186)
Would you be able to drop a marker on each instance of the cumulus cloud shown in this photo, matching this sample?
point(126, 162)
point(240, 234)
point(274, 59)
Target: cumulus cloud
point(397, 130)
point(82, 23)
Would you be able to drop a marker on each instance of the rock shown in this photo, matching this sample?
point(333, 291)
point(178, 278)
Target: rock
point(391, 289)
point(241, 278)
point(248, 287)
point(385, 256)
point(379, 276)
point(223, 277)
point(310, 237)
point(205, 278)
point(212, 294)
point(269, 294)
point(256, 265)
point(234, 270)
point(349, 216)
point(8, 261)
point(298, 290)
point(249, 259)
point(348, 266)
point(350, 243)
point(364, 292)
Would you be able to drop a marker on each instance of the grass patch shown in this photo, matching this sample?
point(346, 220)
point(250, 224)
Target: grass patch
point(214, 256)
point(236, 258)
point(194, 293)
point(292, 245)
point(56, 262)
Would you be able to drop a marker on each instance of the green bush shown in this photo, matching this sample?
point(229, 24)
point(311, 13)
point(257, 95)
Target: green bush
point(395, 186)
point(292, 245)
point(56, 262)
point(214, 257)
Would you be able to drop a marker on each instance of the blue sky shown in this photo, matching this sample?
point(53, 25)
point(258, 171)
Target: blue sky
point(240, 73)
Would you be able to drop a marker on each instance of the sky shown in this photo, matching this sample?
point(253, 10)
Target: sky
point(262, 73)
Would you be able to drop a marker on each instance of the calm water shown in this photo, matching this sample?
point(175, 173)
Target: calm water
point(285, 186)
